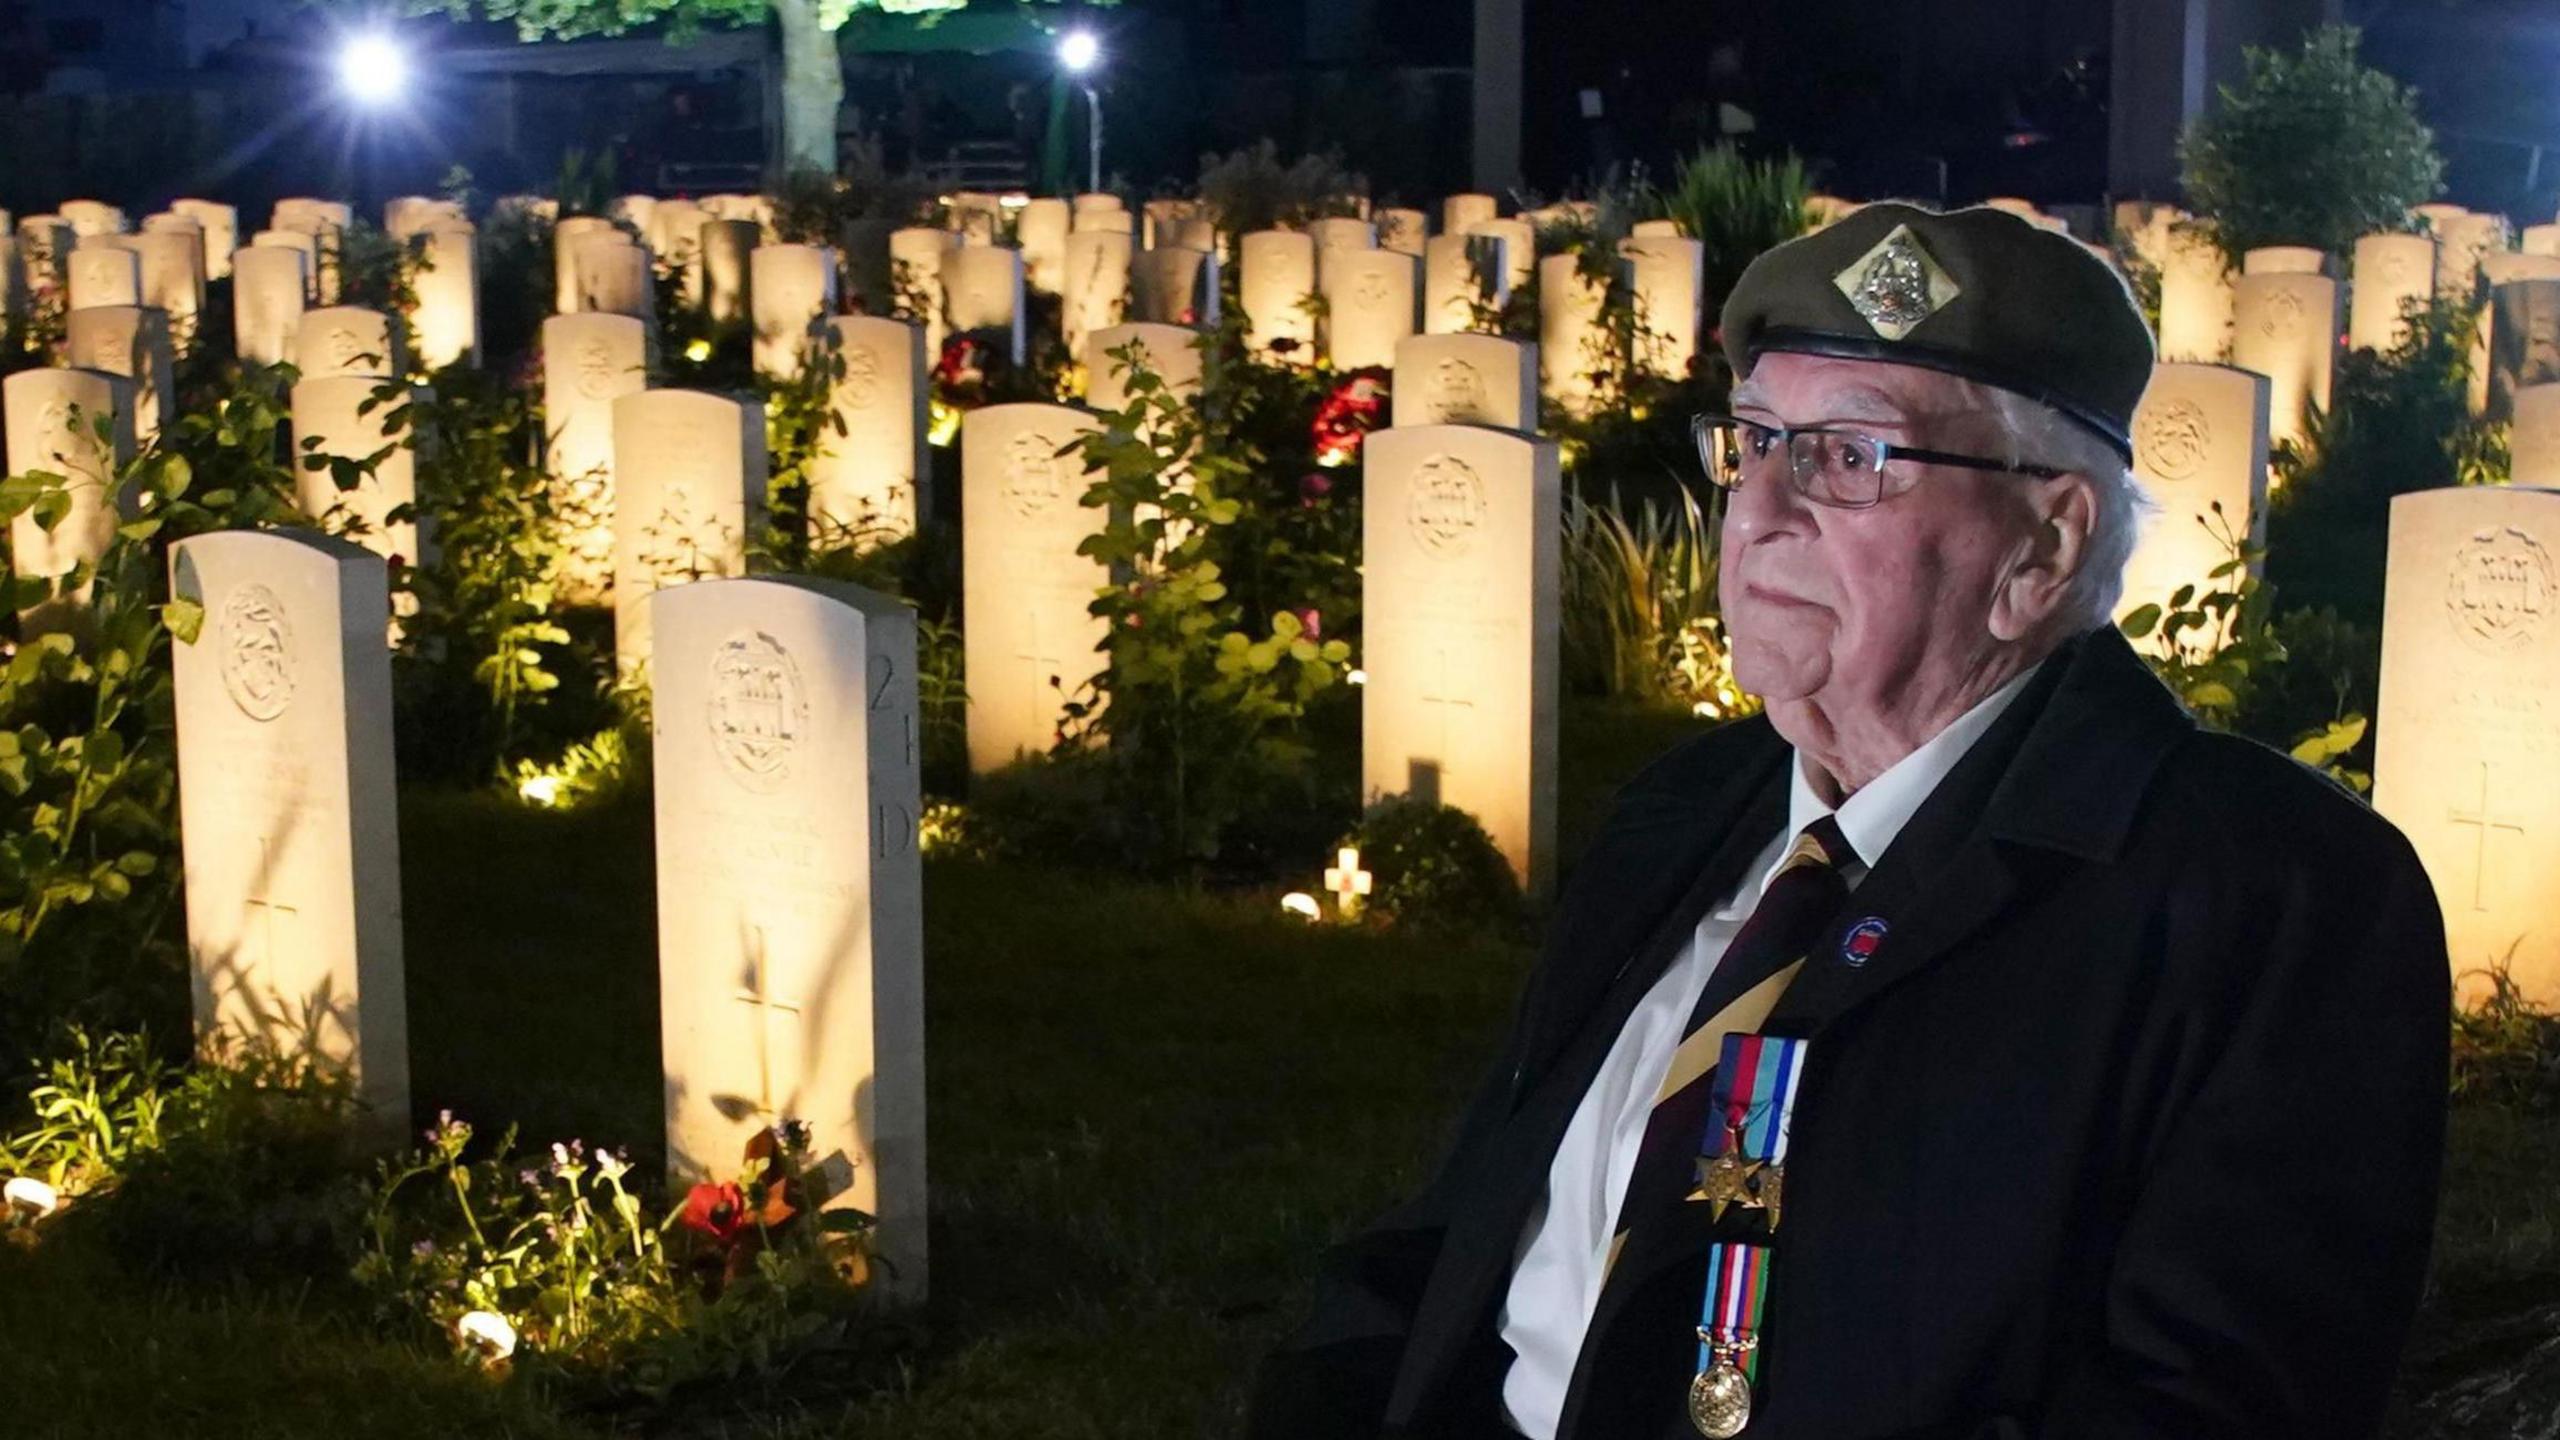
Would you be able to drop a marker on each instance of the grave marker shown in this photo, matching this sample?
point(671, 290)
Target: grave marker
point(689, 473)
point(588, 363)
point(865, 486)
point(1031, 643)
point(1466, 380)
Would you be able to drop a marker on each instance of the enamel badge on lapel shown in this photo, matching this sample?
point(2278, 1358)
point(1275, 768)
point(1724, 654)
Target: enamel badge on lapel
point(1859, 945)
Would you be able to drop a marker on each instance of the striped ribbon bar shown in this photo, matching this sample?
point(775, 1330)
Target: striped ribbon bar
point(1755, 1097)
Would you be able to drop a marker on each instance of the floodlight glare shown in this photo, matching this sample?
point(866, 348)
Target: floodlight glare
point(371, 69)
point(1079, 51)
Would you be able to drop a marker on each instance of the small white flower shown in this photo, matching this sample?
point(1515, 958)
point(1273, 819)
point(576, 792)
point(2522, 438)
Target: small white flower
point(487, 1332)
point(30, 1197)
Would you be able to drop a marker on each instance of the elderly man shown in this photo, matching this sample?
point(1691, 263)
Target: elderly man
point(1973, 1047)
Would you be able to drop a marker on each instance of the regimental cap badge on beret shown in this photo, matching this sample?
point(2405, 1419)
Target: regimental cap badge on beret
point(1897, 284)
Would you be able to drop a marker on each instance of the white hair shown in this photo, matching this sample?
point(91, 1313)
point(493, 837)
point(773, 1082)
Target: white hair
point(2034, 433)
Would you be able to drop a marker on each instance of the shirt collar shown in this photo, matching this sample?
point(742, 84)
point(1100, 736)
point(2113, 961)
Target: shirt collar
point(1871, 818)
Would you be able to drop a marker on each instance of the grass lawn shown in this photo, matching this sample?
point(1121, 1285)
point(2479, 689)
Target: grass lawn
point(1149, 1109)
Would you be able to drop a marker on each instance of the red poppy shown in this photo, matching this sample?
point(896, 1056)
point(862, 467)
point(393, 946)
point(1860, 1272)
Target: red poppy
point(719, 1211)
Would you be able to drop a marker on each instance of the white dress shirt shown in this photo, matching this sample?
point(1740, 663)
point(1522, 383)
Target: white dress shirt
point(1564, 1249)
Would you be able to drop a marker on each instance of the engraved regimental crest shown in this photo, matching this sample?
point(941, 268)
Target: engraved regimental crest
point(256, 652)
point(595, 371)
point(1369, 290)
point(759, 709)
point(1896, 285)
point(2171, 439)
point(2499, 589)
point(2282, 319)
point(860, 384)
point(1032, 479)
point(1457, 392)
point(344, 348)
point(1445, 506)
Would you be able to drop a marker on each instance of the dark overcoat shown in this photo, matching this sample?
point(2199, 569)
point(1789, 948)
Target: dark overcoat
point(2130, 1127)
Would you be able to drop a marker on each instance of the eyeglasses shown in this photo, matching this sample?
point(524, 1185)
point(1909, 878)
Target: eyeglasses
point(1839, 468)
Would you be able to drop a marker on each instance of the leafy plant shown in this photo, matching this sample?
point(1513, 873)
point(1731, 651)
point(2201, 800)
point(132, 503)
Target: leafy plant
point(1198, 706)
point(1252, 189)
point(2506, 1049)
point(1736, 207)
point(554, 1261)
point(1431, 865)
point(88, 790)
point(1639, 604)
point(2311, 148)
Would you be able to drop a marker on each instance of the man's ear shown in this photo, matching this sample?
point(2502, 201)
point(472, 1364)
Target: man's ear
point(2063, 519)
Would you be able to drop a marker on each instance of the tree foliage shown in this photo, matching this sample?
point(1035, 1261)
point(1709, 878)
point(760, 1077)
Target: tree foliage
point(2309, 149)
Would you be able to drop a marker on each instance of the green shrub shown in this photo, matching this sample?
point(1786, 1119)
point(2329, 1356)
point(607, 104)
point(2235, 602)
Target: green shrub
point(1735, 208)
point(2309, 149)
point(1251, 189)
point(1432, 865)
point(1639, 600)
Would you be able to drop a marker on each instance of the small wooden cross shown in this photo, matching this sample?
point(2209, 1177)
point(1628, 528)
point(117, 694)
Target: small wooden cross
point(1348, 882)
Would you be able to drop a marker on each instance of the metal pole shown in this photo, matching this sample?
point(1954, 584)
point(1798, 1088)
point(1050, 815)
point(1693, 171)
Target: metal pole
point(1093, 161)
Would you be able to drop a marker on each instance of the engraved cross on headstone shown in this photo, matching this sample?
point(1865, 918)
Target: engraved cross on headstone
point(265, 916)
point(2483, 823)
point(757, 992)
point(1443, 698)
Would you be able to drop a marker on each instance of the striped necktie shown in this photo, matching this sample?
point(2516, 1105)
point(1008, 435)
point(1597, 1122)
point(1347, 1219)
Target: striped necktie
point(1806, 893)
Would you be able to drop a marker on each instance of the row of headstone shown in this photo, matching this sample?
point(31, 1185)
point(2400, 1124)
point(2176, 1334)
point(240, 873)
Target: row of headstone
point(790, 904)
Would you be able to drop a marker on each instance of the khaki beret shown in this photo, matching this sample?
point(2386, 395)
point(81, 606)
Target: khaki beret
point(1977, 293)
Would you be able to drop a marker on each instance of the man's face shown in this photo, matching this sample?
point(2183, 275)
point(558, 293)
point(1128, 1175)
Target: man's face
point(1857, 608)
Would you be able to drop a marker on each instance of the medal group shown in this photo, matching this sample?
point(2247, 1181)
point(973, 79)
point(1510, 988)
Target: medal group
point(1742, 1163)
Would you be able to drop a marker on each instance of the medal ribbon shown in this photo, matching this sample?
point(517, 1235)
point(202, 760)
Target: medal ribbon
point(1755, 1096)
point(1737, 1288)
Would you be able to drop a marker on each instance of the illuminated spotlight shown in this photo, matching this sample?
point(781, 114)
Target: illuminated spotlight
point(371, 70)
point(1079, 51)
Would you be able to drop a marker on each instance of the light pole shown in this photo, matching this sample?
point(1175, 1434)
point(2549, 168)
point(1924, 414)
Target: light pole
point(1078, 53)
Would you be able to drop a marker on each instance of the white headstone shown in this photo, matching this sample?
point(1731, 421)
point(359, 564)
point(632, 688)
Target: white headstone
point(689, 474)
point(1096, 202)
point(1097, 293)
point(2196, 300)
point(1174, 286)
point(637, 211)
point(1161, 217)
point(1466, 380)
point(1172, 352)
point(93, 217)
point(915, 278)
point(131, 341)
point(338, 416)
point(1668, 277)
point(794, 288)
point(1460, 565)
point(2465, 238)
point(2524, 320)
point(866, 485)
point(1116, 222)
point(2284, 260)
point(52, 419)
point(1276, 273)
point(614, 278)
point(2392, 272)
point(2535, 437)
point(44, 252)
point(173, 276)
point(1569, 331)
point(447, 286)
point(270, 286)
point(790, 898)
point(2285, 327)
point(1031, 644)
point(1654, 230)
point(1041, 231)
point(301, 242)
point(1461, 213)
point(1460, 275)
point(726, 244)
point(982, 296)
point(2464, 751)
point(566, 237)
point(2199, 440)
point(347, 340)
point(1403, 230)
point(288, 810)
point(105, 275)
point(588, 363)
point(674, 233)
point(1343, 231)
point(1519, 248)
point(1371, 302)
